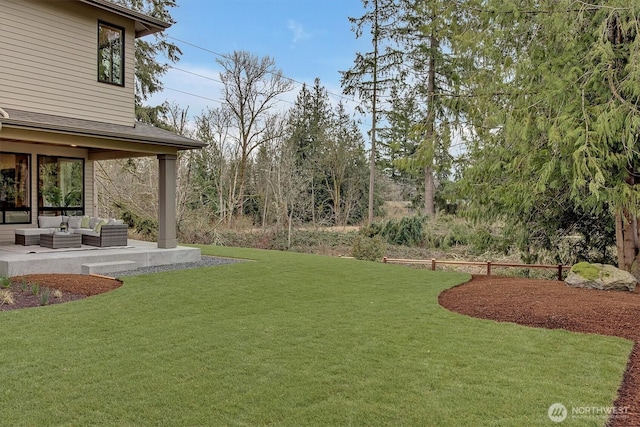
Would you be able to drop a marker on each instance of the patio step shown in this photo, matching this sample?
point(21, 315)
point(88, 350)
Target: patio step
point(108, 267)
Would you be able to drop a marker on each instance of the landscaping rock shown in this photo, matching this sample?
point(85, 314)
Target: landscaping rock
point(600, 276)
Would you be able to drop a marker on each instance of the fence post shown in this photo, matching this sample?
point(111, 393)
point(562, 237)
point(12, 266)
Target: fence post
point(433, 264)
point(488, 268)
point(384, 259)
point(560, 272)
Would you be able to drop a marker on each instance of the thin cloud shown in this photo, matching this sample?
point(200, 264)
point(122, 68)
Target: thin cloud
point(299, 34)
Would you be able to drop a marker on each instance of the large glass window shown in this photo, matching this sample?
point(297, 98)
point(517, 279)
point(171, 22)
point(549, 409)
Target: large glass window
point(15, 197)
point(110, 54)
point(60, 186)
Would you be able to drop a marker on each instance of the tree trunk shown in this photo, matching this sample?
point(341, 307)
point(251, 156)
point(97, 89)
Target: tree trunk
point(374, 117)
point(626, 240)
point(289, 229)
point(313, 204)
point(429, 190)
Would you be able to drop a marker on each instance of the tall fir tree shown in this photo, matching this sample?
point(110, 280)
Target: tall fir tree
point(375, 71)
point(566, 95)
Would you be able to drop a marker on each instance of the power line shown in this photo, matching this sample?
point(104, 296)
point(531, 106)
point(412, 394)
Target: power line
point(220, 81)
point(193, 74)
point(193, 94)
point(285, 77)
point(213, 80)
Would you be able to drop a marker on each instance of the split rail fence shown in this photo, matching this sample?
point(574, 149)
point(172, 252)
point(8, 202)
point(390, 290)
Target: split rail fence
point(559, 268)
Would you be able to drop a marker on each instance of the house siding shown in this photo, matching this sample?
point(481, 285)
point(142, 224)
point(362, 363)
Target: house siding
point(7, 230)
point(49, 61)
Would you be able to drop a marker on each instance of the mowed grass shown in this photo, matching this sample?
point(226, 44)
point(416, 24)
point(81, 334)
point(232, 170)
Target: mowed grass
point(292, 340)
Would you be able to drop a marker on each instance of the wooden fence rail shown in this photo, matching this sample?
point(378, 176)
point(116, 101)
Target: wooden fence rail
point(560, 268)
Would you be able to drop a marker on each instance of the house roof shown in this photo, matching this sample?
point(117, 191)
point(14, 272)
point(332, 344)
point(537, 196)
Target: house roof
point(139, 133)
point(145, 24)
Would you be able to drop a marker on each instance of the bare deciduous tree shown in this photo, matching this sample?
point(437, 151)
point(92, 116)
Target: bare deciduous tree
point(251, 88)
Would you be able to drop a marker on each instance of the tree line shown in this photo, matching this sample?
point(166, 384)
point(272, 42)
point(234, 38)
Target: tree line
point(539, 98)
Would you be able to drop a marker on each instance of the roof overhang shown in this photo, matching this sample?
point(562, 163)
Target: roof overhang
point(105, 140)
point(144, 24)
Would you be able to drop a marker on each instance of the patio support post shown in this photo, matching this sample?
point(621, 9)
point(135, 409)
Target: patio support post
point(167, 237)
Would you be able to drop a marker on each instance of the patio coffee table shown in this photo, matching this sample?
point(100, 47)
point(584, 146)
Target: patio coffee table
point(60, 240)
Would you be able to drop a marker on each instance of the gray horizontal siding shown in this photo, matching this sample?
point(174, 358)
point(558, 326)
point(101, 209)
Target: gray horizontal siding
point(49, 62)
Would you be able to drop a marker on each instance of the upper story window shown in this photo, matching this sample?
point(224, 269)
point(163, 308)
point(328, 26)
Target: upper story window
point(110, 54)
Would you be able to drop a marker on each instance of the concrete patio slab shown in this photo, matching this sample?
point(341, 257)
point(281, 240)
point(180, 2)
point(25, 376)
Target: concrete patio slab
point(16, 260)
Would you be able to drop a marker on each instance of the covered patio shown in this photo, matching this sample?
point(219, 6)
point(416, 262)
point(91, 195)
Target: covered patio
point(17, 260)
point(41, 138)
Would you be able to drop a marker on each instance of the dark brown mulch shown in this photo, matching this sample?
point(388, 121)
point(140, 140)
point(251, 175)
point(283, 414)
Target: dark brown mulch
point(554, 305)
point(27, 290)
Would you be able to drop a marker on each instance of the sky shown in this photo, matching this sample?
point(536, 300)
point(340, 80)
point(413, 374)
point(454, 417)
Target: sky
point(306, 38)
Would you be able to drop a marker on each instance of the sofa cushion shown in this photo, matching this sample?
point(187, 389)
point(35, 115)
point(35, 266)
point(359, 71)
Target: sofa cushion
point(87, 231)
point(75, 221)
point(32, 231)
point(49, 221)
point(84, 222)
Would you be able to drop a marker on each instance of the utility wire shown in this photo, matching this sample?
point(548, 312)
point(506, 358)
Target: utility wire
point(285, 77)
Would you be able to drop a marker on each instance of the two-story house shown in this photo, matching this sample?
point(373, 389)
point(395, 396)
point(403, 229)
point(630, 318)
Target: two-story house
point(67, 101)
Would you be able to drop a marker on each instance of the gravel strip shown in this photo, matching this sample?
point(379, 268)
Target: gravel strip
point(206, 261)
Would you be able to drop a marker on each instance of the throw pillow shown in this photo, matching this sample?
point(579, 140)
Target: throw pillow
point(93, 221)
point(99, 225)
point(84, 222)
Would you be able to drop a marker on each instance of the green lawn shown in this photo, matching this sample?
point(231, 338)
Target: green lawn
point(296, 340)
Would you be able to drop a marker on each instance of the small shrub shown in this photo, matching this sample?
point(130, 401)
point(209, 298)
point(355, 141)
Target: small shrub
point(368, 248)
point(371, 230)
point(35, 288)
point(409, 231)
point(57, 294)
point(484, 240)
point(433, 238)
point(6, 297)
point(44, 296)
point(5, 283)
point(458, 234)
point(24, 285)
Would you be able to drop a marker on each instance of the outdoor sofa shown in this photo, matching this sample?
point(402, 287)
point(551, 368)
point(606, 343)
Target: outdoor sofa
point(95, 231)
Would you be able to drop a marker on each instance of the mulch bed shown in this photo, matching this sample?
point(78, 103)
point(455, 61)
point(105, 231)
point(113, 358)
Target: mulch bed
point(27, 290)
point(554, 305)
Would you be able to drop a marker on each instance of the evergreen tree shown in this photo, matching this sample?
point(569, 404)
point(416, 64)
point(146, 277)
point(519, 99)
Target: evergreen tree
point(439, 64)
point(329, 157)
point(308, 123)
point(567, 79)
point(374, 71)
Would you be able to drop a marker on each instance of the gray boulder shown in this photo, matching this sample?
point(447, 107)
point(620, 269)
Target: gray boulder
point(600, 276)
